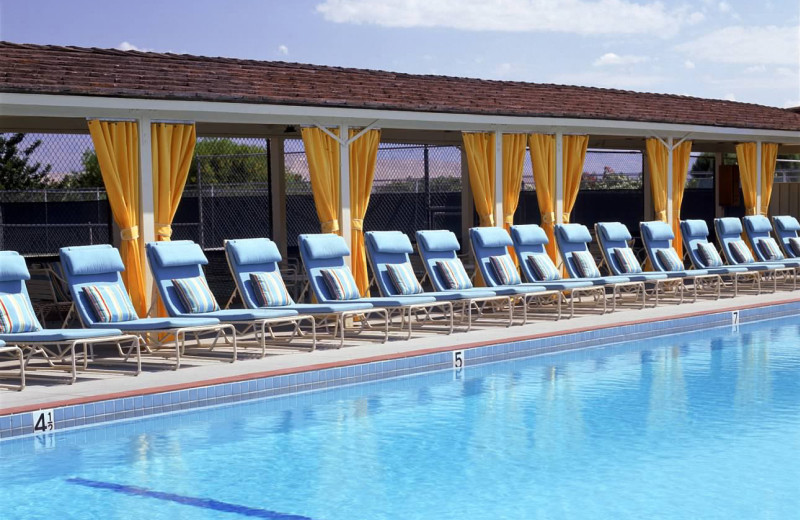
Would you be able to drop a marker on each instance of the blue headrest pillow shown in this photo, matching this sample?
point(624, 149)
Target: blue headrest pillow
point(787, 223)
point(529, 235)
point(390, 242)
point(12, 267)
point(695, 228)
point(89, 260)
point(491, 237)
point(324, 246)
point(177, 254)
point(758, 223)
point(252, 251)
point(614, 231)
point(574, 233)
point(657, 230)
point(729, 226)
point(439, 240)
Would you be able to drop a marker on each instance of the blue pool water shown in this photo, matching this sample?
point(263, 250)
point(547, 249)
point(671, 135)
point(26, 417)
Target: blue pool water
point(703, 425)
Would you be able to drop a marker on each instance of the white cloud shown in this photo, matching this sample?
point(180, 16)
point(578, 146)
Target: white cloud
point(128, 46)
point(283, 50)
point(724, 7)
point(791, 103)
point(610, 58)
point(689, 64)
point(755, 69)
point(585, 17)
point(729, 97)
point(503, 70)
point(768, 45)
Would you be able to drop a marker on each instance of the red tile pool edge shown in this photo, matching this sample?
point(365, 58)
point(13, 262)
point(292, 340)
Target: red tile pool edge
point(359, 361)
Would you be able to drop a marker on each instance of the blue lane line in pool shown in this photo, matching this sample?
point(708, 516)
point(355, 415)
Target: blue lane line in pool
point(205, 503)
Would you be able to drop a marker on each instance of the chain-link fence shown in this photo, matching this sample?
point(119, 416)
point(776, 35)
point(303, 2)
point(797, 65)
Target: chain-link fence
point(787, 170)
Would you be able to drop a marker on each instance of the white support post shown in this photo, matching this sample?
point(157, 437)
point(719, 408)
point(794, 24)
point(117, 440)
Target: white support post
point(344, 187)
point(498, 178)
point(670, 148)
point(717, 163)
point(147, 232)
point(758, 178)
point(559, 177)
point(467, 203)
point(277, 168)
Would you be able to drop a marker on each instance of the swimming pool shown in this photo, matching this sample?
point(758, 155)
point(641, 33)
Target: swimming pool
point(702, 425)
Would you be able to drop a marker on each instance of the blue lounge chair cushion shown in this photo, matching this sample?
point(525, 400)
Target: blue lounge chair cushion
point(787, 223)
point(195, 294)
point(92, 260)
point(543, 267)
point(575, 233)
point(439, 240)
point(178, 253)
point(585, 264)
point(627, 261)
point(741, 252)
point(505, 269)
point(403, 277)
point(270, 290)
point(16, 314)
point(525, 288)
point(669, 259)
point(110, 303)
point(58, 335)
point(255, 251)
point(330, 308)
point(657, 230)
point(157, 324)
point(399, 301)
point(453, 274)
point(529, 235)
point(393, 242)
point(493, 237)
point(770, 249)
point(615, 232)
point(464, 294)
point(340, 283)
point(729, 226)
point(758, 223)
point(12, 267)
point(322, 247)
point(226, 315)
point(709, 254)
point(795, 243)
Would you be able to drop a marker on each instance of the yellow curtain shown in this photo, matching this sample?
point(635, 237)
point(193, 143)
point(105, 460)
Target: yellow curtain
point(657, 160)
point(116, 144)
point(543, 159)
point(479, 148)
point(363, 157)
point(173, 147)
point(746, 156)
point(322, 153)
point(513, 162)
point(573, 155)
point(680, 169)
point(769, 156)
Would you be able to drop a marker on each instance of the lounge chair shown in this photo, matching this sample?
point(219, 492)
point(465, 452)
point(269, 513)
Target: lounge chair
point(323, 255)
point(253, 257)
point(757, 228)
point(529, 245)
point(786, 229)
point(439, 248)
point(613, 237)
point(56, 346)
point(704, 255)
point(573, 240)
point(93, 272)
point(391, 248)
point(14, 352)
point(181, 262)
point(490, 247)
point(657, 237)
point(729, 235)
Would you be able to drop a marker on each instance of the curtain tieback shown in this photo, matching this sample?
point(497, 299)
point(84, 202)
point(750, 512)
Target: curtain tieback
point(331, 226)
point(750, 211)
point(487, 220)
point(357, 224)
point(509, 220)
point(131, 233)
point(548, 218)
point(565, 218)
point(661, 215)
point(164, 230)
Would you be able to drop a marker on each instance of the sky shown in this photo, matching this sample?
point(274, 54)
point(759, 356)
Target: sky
point(742, 50)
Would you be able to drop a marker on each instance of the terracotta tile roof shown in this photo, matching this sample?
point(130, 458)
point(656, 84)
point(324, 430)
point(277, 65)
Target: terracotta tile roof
point(107, 72)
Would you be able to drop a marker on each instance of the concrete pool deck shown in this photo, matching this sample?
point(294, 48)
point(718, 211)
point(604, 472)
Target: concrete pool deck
point(196, 373)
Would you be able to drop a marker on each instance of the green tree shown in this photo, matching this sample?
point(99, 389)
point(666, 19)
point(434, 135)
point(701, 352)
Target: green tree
point(17, 171)
point(88, 176)
point(223, 160)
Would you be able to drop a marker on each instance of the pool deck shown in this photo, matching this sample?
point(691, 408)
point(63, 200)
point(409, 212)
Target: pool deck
point(203, 372)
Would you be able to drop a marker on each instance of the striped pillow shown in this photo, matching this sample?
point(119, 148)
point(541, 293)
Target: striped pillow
point(453, 274)
point(543, 268)
point(270, 290)
point(770, 249)
point(627, 260)
point(505, 270)
point(794, 242)
point(110, 303)
point(709, 255)
point(16, 315)
point(403, 278)
point(669, 259)
point(340, 283)
point(585, 264)
point(195, 294)
point(741, 253)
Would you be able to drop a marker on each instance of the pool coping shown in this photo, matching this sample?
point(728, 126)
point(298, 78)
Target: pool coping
point(81, 411)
